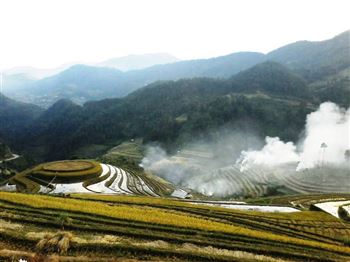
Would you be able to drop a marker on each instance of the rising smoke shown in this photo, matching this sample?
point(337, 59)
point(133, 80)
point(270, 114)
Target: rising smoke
point(326, 141)
point(201, 157)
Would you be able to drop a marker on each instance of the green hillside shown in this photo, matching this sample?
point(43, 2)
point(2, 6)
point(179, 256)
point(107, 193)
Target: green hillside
point(15, 117)
point(315, 60)
point(272, 78)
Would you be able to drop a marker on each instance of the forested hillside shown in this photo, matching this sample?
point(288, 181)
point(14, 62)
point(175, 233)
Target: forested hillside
point(315, 60)
point(184, 109)
point(269, 97)
point(15, 117)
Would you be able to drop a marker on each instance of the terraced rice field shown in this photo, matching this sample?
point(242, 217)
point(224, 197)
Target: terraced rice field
point(232, 181)
point(302, 201)
point(256, 181)
point(259, 180)
point(95, 227)
point(84, 176)
point(325, 179)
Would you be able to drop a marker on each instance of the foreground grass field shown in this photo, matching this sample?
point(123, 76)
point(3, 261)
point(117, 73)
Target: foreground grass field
point(99, 227)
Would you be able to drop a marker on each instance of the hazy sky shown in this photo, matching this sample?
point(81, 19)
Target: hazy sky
point(47, 33)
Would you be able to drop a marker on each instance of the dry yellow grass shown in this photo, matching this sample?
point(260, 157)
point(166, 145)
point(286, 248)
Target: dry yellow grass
point(227, 253)
point(155, 216)
point(58, 242)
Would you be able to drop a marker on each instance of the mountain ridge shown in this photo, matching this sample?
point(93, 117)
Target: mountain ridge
point(207, 102)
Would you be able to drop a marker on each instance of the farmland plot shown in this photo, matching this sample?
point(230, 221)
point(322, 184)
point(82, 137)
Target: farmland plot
point(135, 227)
point(82, 176)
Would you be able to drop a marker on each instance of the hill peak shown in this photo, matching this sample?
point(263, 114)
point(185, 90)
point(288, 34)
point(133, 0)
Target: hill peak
point(270, 77)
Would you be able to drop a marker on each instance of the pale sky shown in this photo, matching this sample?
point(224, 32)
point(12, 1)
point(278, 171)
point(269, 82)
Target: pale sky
point(48, 33)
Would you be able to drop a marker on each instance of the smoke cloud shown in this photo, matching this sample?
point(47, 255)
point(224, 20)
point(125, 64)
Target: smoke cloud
point(328, 126)
point(275, 152)
point(326, 141)
point(200, 157)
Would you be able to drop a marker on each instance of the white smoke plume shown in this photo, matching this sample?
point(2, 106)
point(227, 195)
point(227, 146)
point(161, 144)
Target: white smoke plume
point(200, 157)
point(170, 168)
point(327, 136)
point(275, 152)
point(326, 141)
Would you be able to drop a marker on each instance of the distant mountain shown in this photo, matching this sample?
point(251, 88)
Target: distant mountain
point(312, 61)
point(135, 62)
point(12, 83)
point(82, 83)
point(217, 67)
point(37, 73)
point(315, 60)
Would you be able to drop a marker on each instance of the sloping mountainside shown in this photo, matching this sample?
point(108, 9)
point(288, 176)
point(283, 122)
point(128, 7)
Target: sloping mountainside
point(315, 60)
point(15, 117)
point(134, 62)
point(184, 109)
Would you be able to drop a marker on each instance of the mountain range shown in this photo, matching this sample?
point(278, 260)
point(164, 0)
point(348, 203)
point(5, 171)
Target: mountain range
point(313, 61)
point(244, 91)
point(124, 63)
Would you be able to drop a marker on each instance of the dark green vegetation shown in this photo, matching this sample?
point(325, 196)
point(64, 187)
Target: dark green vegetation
point(101, 227)
point(315, 60)
point(15, 116)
